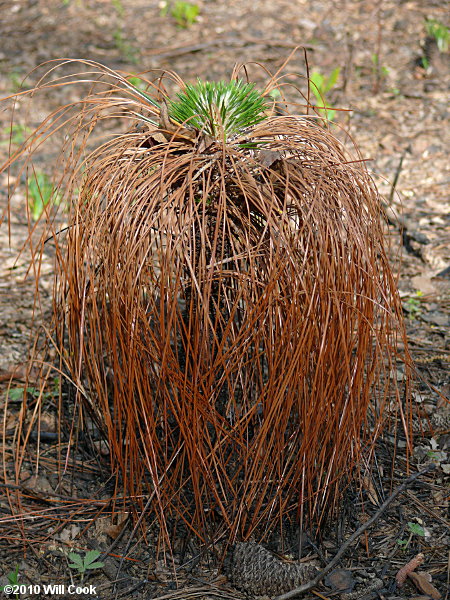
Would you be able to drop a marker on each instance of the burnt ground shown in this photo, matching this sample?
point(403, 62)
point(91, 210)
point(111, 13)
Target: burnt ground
point(398, 117)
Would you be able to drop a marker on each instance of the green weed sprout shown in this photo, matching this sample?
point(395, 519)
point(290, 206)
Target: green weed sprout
point(127, 50)
point(118, 7)
point(41, 192)
point(414, 529)
point(184, 13)
point(13, 579)
point(137, 83)
point(439, 32)
point(320, 86)
point(414, 305)
point(16, 394)
point(17, 134)
point(88, 563)
point(377, 68)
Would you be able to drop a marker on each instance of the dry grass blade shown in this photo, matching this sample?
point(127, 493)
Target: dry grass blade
point(225, 309)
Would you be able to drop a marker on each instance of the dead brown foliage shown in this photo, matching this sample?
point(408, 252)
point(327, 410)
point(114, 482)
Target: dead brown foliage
point(226, 311)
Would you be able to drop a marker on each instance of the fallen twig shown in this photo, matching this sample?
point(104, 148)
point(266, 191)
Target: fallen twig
point(246, 41)
point(397, 175)
point(307, 586)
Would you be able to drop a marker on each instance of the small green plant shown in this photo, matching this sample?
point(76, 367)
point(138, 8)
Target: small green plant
point(436, 455)
point(414, 529)
point(439, 32)
point(395, 92)
point(377, 68)
point(413, 305)
point(138, 83)
point(17, 134)
point(320, 85)
point(88, 563)
point(184, 13)
point(15, 78)
point(40, 193)
point(118, 7)
point(16, 394)
point(13, 579)
point(275, 94)
point(128, 51)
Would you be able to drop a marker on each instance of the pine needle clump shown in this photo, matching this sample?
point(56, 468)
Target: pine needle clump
point(223, 302)
point(226, 108)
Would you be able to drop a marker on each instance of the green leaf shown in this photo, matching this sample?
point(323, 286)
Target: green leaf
point(275, 93)
point(319, 86)
point(332, 80)
point(416, 529)
point(13, 576)
point(439, 32)
point(15, 394)
point(40, 193)
point(137, 82)
point(184, 13)
point(136, 87)
point(317, 79)
point(16, 134)
point(95, 565)
point(77, 561)
point(91, 556)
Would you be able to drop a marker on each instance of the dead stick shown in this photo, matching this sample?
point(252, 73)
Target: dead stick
point(175, 51)
point(397, 175)
point(307, 586)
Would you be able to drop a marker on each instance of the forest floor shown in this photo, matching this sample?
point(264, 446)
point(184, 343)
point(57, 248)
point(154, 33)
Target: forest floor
point(394, 81)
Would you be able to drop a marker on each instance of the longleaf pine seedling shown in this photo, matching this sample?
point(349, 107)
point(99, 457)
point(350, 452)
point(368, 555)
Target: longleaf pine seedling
point(219, 109)
point(223, 305)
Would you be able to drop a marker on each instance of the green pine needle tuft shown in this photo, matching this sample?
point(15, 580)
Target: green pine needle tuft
point(219, 109)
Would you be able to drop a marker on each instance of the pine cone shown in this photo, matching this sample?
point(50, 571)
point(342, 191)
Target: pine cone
point(257, 571)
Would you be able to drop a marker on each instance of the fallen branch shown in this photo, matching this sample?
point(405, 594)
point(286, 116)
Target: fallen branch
point(307, 586)
point(175, 51)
